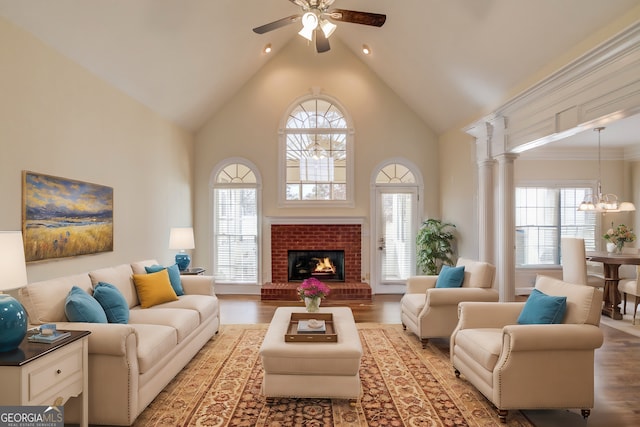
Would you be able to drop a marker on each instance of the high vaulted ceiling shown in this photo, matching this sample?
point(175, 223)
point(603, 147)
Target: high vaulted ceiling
point(448, 59)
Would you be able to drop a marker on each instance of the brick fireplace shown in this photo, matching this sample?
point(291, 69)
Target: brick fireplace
point(316, 236)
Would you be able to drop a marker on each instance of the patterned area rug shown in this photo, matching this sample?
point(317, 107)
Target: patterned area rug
point(402, 385)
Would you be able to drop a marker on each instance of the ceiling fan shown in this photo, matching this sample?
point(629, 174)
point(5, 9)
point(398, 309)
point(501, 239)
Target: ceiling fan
point(316, 20)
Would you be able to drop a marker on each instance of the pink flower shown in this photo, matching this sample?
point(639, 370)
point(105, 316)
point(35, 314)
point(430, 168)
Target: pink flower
point(312, 288)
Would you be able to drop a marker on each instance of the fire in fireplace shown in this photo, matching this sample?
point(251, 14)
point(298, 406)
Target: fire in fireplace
point(323, 265)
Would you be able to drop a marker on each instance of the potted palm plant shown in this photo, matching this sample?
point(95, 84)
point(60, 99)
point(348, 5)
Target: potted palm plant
point(434, 245)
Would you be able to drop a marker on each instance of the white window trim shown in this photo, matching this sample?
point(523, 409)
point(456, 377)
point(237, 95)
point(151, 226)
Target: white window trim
point(282, 145)
point(258, 186)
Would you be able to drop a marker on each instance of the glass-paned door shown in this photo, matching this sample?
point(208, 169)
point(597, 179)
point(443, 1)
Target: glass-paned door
point(395, 233)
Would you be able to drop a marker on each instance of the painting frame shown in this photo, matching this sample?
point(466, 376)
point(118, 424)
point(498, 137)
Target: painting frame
point(64, 217)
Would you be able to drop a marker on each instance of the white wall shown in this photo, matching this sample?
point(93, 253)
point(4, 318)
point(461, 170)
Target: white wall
point(248, 127)
point(59, 119)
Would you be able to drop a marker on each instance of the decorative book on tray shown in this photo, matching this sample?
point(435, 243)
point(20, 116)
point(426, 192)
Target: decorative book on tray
point(312, 326)
point(49, 339)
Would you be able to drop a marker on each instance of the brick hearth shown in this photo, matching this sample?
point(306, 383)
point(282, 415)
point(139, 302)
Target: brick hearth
point(339, 291)
point(345, 237)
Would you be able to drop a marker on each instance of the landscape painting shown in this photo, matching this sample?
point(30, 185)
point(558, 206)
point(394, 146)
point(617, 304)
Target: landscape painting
point(64, 218)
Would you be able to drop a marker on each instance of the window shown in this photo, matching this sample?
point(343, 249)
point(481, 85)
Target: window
point(546, 214)
point(317, 159)
point(235, 224)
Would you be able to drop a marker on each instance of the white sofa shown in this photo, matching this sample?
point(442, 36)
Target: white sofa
point(129, 364)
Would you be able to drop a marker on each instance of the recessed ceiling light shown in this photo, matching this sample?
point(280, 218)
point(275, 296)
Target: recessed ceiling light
point(267, 48)
point(366, 50)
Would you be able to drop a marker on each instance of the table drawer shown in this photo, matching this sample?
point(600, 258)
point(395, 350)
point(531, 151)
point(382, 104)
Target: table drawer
point(56, 371)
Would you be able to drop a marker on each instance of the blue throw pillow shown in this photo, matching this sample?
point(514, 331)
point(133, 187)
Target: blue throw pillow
point(450, 277)
point(113, 302)
point(174, 276)
point(541, 308)
point(82, 307)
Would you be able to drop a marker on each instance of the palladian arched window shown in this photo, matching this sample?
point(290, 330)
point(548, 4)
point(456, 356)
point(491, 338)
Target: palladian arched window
point(317, 154)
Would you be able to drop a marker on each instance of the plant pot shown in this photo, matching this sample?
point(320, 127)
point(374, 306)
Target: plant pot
point(312, 304)
point(611, 247)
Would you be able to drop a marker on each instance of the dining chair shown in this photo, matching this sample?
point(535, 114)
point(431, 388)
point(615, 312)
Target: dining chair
point(630, 287)
point(628, 284)
point(574, 263)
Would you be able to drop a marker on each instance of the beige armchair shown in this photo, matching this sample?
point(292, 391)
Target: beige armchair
point(431, 312)
point(531, 366)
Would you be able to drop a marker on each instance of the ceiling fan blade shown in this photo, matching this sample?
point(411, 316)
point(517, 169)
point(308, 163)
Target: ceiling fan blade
point(364, 18)
point(322, 42)
point(302, 3)
point(276, 24)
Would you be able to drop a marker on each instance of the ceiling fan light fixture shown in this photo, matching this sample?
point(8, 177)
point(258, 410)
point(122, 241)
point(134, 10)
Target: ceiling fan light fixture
point(327, 27)
point(366, 50)
point(309, 24)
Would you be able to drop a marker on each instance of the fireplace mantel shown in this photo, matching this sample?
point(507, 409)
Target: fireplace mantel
point(315, 220)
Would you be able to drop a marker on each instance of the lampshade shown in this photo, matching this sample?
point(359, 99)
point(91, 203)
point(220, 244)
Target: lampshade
point(181, 238)
point(13, 318)
point(12, 264)
point(327, 27)
point(310, 23)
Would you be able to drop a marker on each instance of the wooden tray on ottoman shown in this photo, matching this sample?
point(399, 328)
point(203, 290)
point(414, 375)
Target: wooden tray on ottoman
point(293, 335)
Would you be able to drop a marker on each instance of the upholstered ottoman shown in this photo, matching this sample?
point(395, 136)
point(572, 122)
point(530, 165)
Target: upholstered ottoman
point(312, 369)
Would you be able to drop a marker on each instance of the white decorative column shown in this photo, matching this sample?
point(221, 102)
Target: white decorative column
point(506, 269)
point(483, 132)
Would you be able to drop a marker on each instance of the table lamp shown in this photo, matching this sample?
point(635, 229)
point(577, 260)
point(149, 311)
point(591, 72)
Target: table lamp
point(181, 238)
point(13, 318)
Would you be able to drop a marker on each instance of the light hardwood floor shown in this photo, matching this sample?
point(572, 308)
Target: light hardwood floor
point(617, 362)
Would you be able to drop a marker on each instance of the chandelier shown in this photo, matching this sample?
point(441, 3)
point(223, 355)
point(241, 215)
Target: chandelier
point(603, 202)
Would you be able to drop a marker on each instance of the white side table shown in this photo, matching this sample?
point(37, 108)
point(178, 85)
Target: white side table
point(47, 374)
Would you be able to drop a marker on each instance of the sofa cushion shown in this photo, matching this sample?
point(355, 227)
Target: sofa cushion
point(154, 343)
point(184, 321)
point(477, 274)
point(79, 306)
point(205, 305)
point(44, 301)
point(154, 288)
point(174, 276)
point(138, 267)
point(483, 345)
point(112, 302)
point(584, 303)
point(542, 309)
point(120, 277)
point(450, 277)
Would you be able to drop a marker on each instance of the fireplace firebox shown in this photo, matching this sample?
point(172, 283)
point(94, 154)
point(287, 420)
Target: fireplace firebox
point(326, 265)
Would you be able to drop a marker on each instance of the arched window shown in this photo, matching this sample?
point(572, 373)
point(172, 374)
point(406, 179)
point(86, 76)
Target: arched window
point(316, 147)
point(236, 214)
point(395, 173)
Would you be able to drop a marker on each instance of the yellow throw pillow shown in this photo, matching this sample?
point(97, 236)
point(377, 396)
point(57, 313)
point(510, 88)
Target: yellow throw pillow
point(154, 288)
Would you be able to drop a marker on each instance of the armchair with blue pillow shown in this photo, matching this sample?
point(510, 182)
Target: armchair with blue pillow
point(429, 308)
point(537, 354)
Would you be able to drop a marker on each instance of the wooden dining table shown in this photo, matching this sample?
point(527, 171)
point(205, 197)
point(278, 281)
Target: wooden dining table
point(611, 263)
